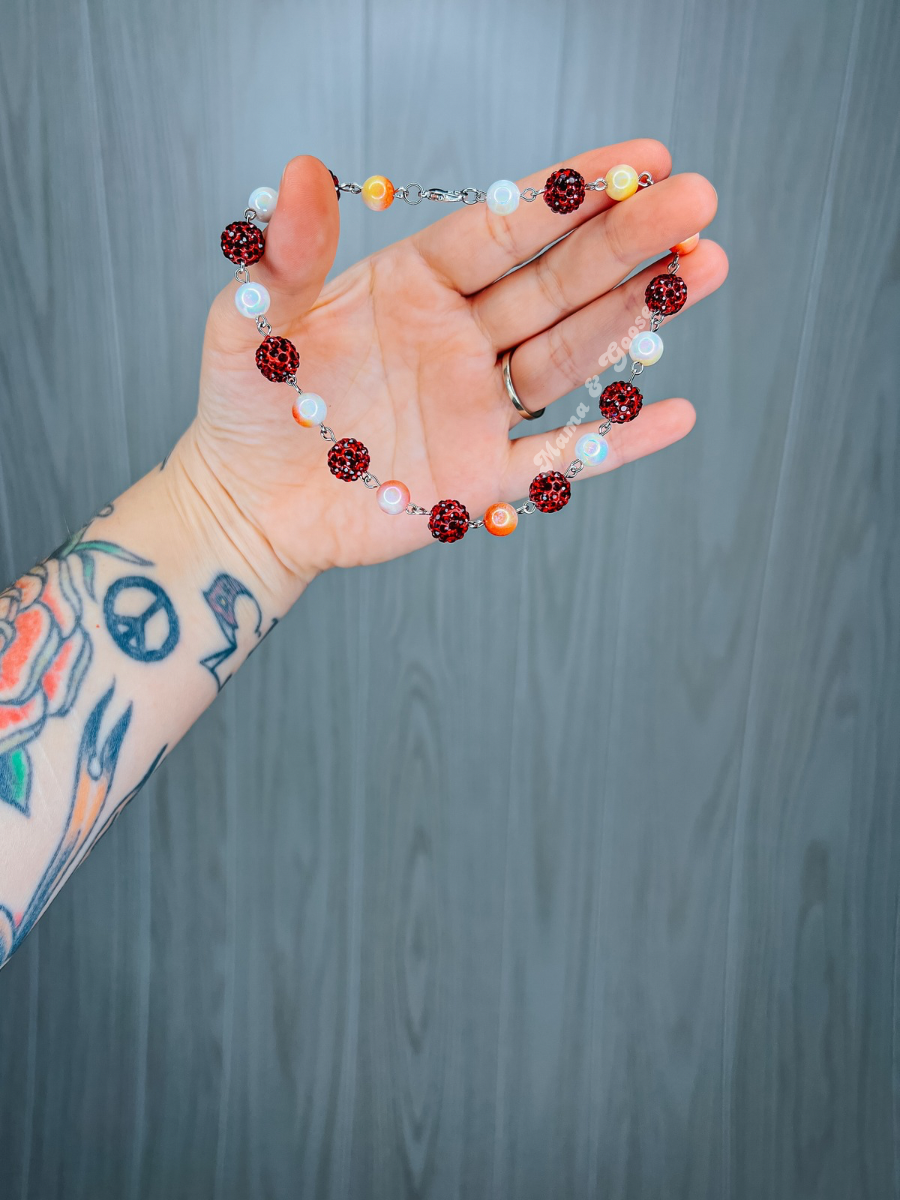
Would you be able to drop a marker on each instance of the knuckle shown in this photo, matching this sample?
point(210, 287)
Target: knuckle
point(615, 458)
point(561, 353)
point(550, 283)
point(632, 299)
point(501, 233)
point(614, 230)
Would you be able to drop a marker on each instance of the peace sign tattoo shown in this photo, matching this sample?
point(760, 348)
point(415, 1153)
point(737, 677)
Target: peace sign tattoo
point(141, 619)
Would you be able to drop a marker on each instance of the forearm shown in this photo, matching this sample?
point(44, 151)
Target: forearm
point(109, 651)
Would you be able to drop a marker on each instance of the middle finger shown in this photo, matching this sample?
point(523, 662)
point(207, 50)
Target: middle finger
point(593, 259)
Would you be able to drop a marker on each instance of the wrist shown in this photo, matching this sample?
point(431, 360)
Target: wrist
point(218, 534)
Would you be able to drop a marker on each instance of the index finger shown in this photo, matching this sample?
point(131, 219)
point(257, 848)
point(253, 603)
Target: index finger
point(472, 248)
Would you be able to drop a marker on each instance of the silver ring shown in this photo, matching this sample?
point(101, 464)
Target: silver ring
point(511, 391)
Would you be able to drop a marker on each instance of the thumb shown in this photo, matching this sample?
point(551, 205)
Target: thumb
point(300, 244)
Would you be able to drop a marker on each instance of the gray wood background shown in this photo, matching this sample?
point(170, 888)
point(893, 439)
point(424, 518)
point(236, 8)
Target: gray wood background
point(564, 867)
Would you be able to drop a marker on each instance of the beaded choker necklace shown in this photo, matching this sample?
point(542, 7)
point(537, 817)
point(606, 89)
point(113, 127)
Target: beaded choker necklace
point(348, 459)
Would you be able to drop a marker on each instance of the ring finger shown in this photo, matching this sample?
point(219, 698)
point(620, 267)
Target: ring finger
point(552, 363)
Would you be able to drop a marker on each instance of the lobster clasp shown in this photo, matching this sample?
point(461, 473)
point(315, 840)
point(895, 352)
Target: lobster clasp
point(446, 195)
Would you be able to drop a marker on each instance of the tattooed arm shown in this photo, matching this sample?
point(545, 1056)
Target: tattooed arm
point(109, 649)
point(112, 647)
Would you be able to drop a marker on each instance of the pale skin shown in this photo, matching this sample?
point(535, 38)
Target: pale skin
point(217, 546)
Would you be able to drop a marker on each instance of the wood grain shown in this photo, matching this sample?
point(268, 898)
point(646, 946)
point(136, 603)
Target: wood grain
point(568, 866)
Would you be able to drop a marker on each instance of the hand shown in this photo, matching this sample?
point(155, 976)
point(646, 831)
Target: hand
point(404, 349)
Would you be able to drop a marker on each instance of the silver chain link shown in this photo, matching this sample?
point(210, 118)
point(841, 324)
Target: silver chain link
point(414, 193)
point(673, 265)
point(406, 193)
point(479, 524)
point(370, 481)
point(527, 508)
point(249, 214)
point(263, 326)
point(636, 369)
point(416, 510)
point(575, 467)
point(327, 434)
point(242, 274)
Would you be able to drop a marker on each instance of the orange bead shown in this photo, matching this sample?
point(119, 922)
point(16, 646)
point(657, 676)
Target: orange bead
point(501, 519)
point(377, 192)
point(687, 245)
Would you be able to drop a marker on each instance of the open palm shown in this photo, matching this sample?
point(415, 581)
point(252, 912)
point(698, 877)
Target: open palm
point(404, 348)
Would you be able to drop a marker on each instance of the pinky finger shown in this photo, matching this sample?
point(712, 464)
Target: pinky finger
point(657, 426)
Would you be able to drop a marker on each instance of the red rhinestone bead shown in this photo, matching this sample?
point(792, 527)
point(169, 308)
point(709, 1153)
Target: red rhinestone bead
point(277, 358)
point(666, 294)
point(564, 190)
point(243, 243)
point(449, 521)
point(337, 184)
point(550, 491)
point(348, 459)
point(620, 402)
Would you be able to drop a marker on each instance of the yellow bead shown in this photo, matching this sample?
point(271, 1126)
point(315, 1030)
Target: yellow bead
point(621, 182)
point(377, 192)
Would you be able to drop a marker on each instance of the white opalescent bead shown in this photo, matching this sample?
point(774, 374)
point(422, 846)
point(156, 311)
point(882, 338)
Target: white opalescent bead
point(309, 409)
point(591, 448)
point(503, 197)
point(647, 348)
point(252, 299)
point(263, 202)
point(393, 497)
